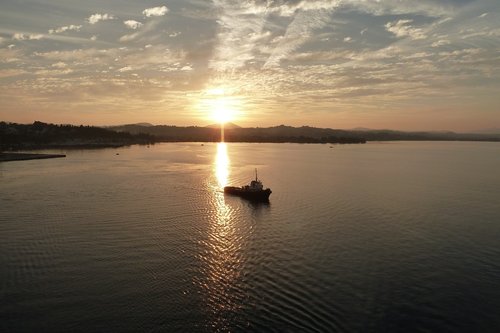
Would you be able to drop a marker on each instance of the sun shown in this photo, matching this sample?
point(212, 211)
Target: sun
point(221, 111)
point(220, 106)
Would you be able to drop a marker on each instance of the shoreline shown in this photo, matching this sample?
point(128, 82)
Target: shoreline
point(9, 157)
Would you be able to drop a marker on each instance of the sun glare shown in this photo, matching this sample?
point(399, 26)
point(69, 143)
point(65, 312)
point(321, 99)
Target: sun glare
point(219, 106)
point(221, 112)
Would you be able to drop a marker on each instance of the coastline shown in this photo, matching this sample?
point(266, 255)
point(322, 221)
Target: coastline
point(9, 157)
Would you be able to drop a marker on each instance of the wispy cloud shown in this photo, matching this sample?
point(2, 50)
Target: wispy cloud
point(440, 42)
point(5, 73)
point(241, 23)
point(95, 18)
point(290, 8)
point(10, 54)
point(155, 11)
point(129, 37)
point(402, 28)
point(236, 24)
point(147, 29)
point(125, 69)
point(298, 32)
point(434, 8)
point(283, 58)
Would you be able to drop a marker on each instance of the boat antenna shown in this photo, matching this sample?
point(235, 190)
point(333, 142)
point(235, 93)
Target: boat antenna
point(256, 174)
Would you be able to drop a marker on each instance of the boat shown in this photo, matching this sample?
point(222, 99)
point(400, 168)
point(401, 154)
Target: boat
point(254, 191)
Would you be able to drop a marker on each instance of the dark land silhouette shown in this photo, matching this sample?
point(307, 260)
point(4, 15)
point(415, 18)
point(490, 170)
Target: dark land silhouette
point(234, 133)
point(6, 157)
point(304, 134)
point(41, 135)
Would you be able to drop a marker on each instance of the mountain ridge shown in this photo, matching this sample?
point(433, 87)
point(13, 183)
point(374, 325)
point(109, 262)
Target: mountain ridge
point(285, 133)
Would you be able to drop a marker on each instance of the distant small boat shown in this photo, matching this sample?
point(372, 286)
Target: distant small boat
point(254, 191)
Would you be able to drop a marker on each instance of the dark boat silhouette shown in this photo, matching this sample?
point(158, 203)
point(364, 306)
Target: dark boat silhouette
point(254, 191)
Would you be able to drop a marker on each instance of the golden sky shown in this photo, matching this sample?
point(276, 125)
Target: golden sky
point(398, 64)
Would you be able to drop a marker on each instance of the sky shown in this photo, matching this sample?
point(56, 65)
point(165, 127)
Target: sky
point(392, 64)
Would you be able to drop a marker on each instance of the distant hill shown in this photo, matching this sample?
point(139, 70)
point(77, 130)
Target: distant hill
point(42, 135)
point(391, 135)
point(167, 133)
point(136, 124)
point(144, 124)
point(364, 129)
point(304, 134)
point(495, 130)
point(226, 126)
point(277, 134)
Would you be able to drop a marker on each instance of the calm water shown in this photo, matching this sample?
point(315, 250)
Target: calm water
point(357, 238)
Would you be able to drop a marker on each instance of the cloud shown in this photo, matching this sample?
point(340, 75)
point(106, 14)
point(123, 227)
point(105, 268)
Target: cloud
point(441, 42)
point(236, 22)
point(148, 29)
point(128, 38)
point(433, 8)
point(133, 24)
point(59, 64)
point(123, 59)
point(297, 33)
point(80, 55)
point(286, 8)
point(53, 72)
point(155, 11)
point(21, 36)
point(10, 54)
point(65, 28)
point(4, 73)
point(93, 19)
point(321, 54)
point(401, 28)
point(125, 69)
point(248, 30)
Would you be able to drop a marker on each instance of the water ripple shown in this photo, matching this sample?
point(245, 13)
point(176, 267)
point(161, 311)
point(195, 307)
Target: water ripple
point(374, 240)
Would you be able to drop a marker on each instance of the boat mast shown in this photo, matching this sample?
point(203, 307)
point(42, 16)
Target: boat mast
point(256, 174)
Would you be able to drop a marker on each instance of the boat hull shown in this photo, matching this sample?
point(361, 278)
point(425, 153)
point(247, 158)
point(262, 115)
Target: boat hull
point(261, 195)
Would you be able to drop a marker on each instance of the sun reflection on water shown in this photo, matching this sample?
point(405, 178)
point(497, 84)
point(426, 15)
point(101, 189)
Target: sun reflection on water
point(222, 164)
point(222, 251)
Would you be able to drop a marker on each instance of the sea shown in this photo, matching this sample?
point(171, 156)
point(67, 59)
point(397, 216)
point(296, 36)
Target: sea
point(376, 237)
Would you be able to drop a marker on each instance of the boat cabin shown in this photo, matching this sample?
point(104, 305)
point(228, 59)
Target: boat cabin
point(255, 185)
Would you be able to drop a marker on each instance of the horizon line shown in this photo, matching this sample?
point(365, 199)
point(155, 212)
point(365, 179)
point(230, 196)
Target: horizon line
point(486, 131)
